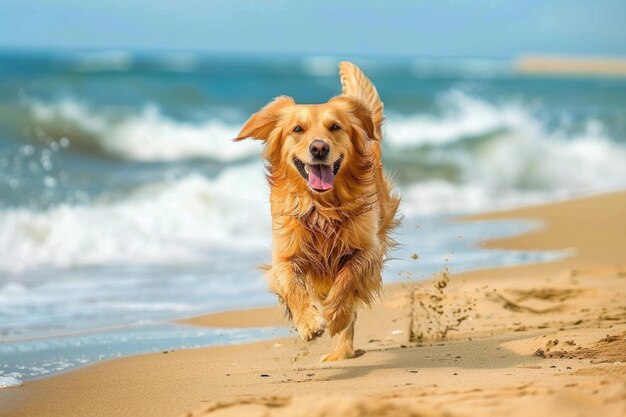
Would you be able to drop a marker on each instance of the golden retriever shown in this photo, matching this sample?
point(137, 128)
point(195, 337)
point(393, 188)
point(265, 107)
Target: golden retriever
point(332, 206)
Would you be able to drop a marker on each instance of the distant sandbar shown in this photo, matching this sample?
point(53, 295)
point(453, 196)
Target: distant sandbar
point(559, 65)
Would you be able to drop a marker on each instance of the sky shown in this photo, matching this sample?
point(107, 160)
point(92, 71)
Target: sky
point(432, 28)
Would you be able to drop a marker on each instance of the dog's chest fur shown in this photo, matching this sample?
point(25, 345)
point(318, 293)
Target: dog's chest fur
point(326, 244)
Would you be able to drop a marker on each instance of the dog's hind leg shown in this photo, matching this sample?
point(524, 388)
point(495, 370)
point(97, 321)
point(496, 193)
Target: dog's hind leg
point(345, 345)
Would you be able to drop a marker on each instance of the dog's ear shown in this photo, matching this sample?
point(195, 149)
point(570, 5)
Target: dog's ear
point(261, 124)
point(356, 84)
point(361, 112)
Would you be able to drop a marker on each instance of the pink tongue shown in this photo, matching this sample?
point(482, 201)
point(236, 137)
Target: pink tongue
point(321, 177)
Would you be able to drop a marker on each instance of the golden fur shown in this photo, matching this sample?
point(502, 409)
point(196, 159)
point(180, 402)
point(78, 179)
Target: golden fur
point(327, 247)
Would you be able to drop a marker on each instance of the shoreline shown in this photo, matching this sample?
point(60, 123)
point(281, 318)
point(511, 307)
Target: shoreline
point(504, 312)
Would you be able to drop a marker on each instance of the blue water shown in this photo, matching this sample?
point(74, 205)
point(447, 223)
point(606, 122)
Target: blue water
point(124, 203)
point(40, 357)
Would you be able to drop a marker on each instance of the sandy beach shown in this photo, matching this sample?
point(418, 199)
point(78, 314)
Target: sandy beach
point(546, 339)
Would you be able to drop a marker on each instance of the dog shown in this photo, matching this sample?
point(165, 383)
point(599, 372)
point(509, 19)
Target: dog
point(333, 208)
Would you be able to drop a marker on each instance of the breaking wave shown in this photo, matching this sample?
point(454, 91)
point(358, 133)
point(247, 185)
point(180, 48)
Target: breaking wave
point(504, 150)
point(146, 136)
point(165, 223)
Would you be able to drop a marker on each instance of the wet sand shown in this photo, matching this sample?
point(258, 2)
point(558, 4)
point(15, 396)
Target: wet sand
point(546, 339)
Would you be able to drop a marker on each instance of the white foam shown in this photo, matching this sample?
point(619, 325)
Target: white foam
point(160, 223)
point(148, 135)
point(520, 168)
point(517, 154)
point(461, 116)
point(536, 160)
point(436, 197)
point(9, 381)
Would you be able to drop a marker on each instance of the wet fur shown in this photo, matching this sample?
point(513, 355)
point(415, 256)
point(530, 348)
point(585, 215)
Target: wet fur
point(327, 248)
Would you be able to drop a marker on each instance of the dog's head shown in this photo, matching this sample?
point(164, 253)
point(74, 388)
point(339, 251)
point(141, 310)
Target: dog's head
point(319, 145)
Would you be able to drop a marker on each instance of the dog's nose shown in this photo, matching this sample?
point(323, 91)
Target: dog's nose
point(319, 149)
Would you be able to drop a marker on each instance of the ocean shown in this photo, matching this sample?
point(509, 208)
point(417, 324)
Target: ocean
point(124, 204)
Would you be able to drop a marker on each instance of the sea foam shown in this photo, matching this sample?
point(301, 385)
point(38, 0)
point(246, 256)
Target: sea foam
point(170, 222)
point(145, 136)
point(9, 381)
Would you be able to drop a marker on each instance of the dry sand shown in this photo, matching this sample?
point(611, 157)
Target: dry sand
point(546, 339)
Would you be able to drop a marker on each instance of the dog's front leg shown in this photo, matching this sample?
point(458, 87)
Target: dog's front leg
point(303, 307)
point(359, 280)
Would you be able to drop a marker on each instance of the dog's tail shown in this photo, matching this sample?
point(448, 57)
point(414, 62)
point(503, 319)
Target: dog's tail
point(355, 84)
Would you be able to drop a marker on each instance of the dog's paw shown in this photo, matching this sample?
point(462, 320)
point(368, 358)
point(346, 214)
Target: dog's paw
point(310, 325)
point(342, 354)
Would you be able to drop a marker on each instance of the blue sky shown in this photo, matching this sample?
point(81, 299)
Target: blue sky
point(436, 28)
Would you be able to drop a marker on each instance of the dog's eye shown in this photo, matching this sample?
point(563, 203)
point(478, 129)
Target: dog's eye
point(297, 129)
point(335, 127)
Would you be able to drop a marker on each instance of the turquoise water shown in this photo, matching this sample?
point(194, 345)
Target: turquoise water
point(124, 203)
point(45, 356)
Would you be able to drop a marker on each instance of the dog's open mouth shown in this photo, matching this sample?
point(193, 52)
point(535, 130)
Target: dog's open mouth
point(320, 177)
